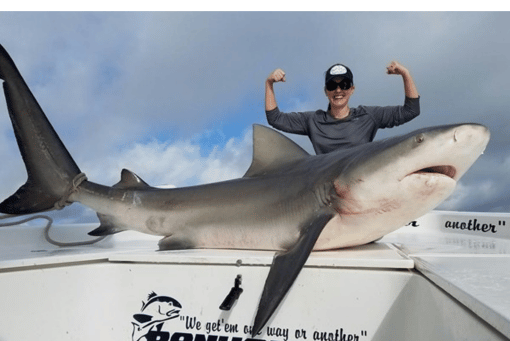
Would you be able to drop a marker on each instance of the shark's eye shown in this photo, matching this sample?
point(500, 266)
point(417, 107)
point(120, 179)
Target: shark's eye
point(419, 138)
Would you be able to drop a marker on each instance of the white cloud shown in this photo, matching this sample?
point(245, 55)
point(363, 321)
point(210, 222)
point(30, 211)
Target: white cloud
point(230, 162)
point(466, 195)
point(484, 187)
point(179, 163)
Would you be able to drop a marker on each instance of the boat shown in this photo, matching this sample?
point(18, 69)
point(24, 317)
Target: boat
point(444, 276)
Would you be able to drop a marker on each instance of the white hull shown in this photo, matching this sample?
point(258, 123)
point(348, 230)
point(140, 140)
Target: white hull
point(429, 282)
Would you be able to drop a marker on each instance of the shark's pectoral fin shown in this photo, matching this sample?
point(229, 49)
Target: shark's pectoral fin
point(285, 268)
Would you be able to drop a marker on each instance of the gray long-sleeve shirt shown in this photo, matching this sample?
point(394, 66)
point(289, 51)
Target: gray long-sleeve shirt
point(327, 133)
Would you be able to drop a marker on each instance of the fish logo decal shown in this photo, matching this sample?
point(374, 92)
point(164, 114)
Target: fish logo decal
point(154, 313)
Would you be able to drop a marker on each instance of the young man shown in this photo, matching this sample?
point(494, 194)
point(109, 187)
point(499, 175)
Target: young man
point(341, 126)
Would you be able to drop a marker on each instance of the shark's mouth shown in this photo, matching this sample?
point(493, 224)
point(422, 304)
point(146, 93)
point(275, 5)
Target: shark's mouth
point(448, 171)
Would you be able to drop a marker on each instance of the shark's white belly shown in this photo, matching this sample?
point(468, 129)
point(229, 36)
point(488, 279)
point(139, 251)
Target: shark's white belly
point(262, 234)
point(343, 232)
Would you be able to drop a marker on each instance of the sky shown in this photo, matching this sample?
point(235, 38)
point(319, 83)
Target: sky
point(173, 96)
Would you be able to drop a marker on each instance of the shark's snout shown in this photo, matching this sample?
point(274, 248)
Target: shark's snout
point(467, 143)
point(471, 134)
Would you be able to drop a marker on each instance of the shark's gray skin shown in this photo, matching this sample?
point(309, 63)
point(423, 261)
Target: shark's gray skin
point(288, 200)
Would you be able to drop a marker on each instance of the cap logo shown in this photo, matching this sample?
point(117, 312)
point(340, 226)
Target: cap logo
point(338, 70)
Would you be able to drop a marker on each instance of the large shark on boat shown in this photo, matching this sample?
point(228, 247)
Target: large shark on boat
point(288, 200)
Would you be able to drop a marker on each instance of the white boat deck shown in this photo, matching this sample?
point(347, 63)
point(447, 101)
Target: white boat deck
point(465, 254)
point(471, 265)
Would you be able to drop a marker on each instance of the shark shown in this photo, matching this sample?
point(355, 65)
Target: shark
point(288, 200)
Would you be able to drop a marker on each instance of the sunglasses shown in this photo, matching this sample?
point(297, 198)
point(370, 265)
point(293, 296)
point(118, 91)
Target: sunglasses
point(344, 85)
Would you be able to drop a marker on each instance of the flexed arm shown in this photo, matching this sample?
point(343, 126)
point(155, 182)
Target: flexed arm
point(277, 75)
point(395, 68)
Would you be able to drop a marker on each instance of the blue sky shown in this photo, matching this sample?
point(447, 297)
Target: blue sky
point(172, 95)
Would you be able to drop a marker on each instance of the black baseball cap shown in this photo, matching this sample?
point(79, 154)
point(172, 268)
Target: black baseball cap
point(339, 70)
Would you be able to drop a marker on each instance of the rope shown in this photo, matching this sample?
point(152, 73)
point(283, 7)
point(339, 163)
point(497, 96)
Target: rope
point(47, 230)
point(78, 179)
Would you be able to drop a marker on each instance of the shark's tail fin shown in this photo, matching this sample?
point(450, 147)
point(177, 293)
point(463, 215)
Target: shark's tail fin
point(51, 169)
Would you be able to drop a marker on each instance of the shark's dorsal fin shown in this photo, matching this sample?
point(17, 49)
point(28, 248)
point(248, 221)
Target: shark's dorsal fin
point(130, 180)
point(271, 150)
